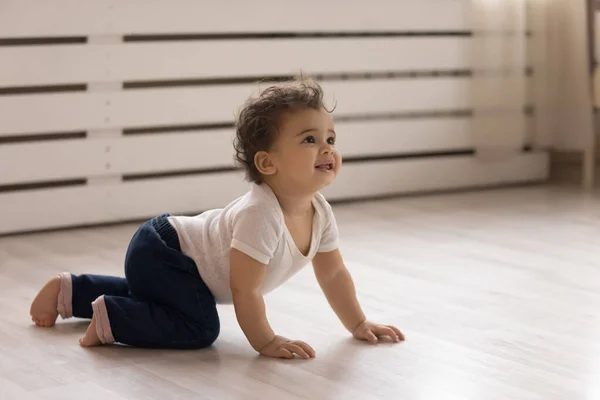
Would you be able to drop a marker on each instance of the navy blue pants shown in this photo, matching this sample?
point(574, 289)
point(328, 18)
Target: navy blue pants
point(161, 303)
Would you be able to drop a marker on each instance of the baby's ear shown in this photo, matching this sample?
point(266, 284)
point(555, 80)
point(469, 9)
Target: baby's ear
point(264, 164)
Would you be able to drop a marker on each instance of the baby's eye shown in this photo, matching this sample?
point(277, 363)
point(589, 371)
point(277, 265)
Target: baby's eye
point(331, 140)
point(309, 139)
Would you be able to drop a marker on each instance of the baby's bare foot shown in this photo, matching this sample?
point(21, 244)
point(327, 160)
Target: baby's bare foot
point(90, 338)
point(43, 308)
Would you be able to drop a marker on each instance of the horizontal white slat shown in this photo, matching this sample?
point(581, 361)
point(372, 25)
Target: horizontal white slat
point(30, 18)
point(370, 179)
point(50, 208)
point(77, 158)
point(59, 112)
point(387, 137)
point(40, 65)
point(52, 160)
point(61, 207)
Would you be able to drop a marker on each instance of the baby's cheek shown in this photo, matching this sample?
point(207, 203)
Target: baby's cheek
point(338, 159)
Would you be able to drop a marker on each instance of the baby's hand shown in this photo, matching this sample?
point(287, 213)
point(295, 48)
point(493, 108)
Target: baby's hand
point(281, 347)
point(370, 331)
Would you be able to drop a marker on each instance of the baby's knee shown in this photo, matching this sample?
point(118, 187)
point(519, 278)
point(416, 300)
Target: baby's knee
point(207, 335)
point(212, 336)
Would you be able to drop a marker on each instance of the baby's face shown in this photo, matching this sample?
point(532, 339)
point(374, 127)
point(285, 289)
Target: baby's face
point(304, 151)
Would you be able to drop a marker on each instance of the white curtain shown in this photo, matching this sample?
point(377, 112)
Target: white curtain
point(559, 89)
point(499, 60)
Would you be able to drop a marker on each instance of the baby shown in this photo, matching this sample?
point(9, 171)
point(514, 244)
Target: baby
point(178, 268)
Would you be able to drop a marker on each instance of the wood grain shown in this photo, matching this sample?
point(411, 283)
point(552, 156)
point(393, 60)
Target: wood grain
point(498, 293)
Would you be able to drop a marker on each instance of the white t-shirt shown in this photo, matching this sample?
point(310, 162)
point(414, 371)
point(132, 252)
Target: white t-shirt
point(253, 224)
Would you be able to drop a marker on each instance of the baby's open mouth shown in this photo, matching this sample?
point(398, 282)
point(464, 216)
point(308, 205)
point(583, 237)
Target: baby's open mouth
point(325, 166)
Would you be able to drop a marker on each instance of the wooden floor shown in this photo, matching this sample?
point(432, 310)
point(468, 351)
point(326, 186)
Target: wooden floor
point(498, 294)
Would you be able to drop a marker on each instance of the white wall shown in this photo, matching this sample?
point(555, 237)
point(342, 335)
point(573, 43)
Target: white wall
point(79, 144)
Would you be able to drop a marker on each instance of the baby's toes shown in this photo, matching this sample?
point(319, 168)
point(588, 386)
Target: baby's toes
point(88, 341)
point(44, 321)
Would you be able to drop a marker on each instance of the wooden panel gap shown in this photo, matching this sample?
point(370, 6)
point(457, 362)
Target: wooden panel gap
point(38, 41)
point(38, 137)
point(170, 174)
point(287, 35)
point(16, 90)
point(341, 76)
point(428, 114)
point(404, 156)
point(19, 187)
point(177, 128)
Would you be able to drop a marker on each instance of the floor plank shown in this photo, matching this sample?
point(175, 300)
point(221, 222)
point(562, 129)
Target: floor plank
point(498, 293)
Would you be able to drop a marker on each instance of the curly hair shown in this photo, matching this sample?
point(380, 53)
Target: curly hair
point(258, 119)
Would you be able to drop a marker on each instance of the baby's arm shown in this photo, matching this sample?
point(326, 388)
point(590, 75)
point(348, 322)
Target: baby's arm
point(246, 277)
point(337, 285)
